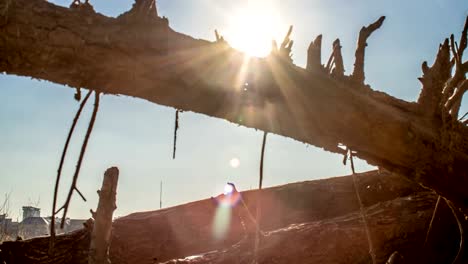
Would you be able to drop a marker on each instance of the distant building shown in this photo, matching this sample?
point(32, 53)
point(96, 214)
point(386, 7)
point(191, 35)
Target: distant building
point(8, 228)
point(33, 225)
point(29, 211)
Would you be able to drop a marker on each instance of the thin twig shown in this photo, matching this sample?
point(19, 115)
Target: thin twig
point(260, 184)
point(79, 192)
point(460, 228)
point(436, 208)
point(59, 170)
point(361, 207)
point(80, 159)
point(463, 117)
point(176, 127)
point(262, 156)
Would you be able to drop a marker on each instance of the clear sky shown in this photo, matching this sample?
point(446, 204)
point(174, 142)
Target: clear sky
point(136, 135)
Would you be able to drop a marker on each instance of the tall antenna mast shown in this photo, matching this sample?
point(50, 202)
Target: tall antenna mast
point(160, 195)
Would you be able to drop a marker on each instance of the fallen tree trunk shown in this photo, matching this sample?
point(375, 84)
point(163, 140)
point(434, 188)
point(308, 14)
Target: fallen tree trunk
point(138, 54)
point(174, 233)
point(343, 239)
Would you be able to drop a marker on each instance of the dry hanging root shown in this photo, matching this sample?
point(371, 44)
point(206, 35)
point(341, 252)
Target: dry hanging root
point(361, 206)
point(176, 128)
point(260, 184)
point(460, 227)
point(73, 187)
point(59, 170)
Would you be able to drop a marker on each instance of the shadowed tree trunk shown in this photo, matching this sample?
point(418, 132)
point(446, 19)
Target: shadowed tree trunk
point(139, 55)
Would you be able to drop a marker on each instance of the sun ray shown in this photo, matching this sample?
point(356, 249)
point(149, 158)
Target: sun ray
point(252, 28)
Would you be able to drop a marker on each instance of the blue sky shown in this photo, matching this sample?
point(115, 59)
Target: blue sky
point(136, 135)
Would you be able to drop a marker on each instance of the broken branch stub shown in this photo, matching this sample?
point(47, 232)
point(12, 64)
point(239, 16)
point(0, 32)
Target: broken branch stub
point(358, 73)
point(338, 70)
point(100, 237)
point(314, 55)
point(433, 81)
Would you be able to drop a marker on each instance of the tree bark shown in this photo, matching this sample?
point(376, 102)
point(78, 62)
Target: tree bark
point(337, 240)
point(145, 58)
point(101, 236)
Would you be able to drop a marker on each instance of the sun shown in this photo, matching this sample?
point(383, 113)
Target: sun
point(234, 162)
point(252, 28)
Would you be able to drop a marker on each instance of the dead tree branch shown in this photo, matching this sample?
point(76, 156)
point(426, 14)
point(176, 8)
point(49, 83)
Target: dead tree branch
point(358, 73)
point(451, 94)
point(314, 55)
point(335, 64)
point(433, 81)
point(101, 235)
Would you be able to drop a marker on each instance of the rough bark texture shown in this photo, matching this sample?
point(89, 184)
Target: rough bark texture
point(318, 219)
point(299, 243)
point(137, 54)
point(101, 236)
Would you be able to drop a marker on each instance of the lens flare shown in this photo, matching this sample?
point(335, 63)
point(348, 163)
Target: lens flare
point(234, 162)
point(221, 222)
point(228, 189)
point(225, 203)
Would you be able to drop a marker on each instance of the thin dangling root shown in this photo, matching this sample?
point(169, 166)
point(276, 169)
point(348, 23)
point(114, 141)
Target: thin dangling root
point(361, 206)
point(59, 170)
point(73, 187)
point(260, 184)
point(176, 127)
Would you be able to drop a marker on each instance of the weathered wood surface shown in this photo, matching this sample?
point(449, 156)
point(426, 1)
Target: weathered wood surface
point(397, 225)
point(101, 235)
point(138, 54)
point(398, 220)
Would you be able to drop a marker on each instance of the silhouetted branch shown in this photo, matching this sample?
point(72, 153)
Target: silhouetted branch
point(80, 159)
point(338, 70)
point(286, 46)
point(59, 170)
point(358, 73)
point(314, 55)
